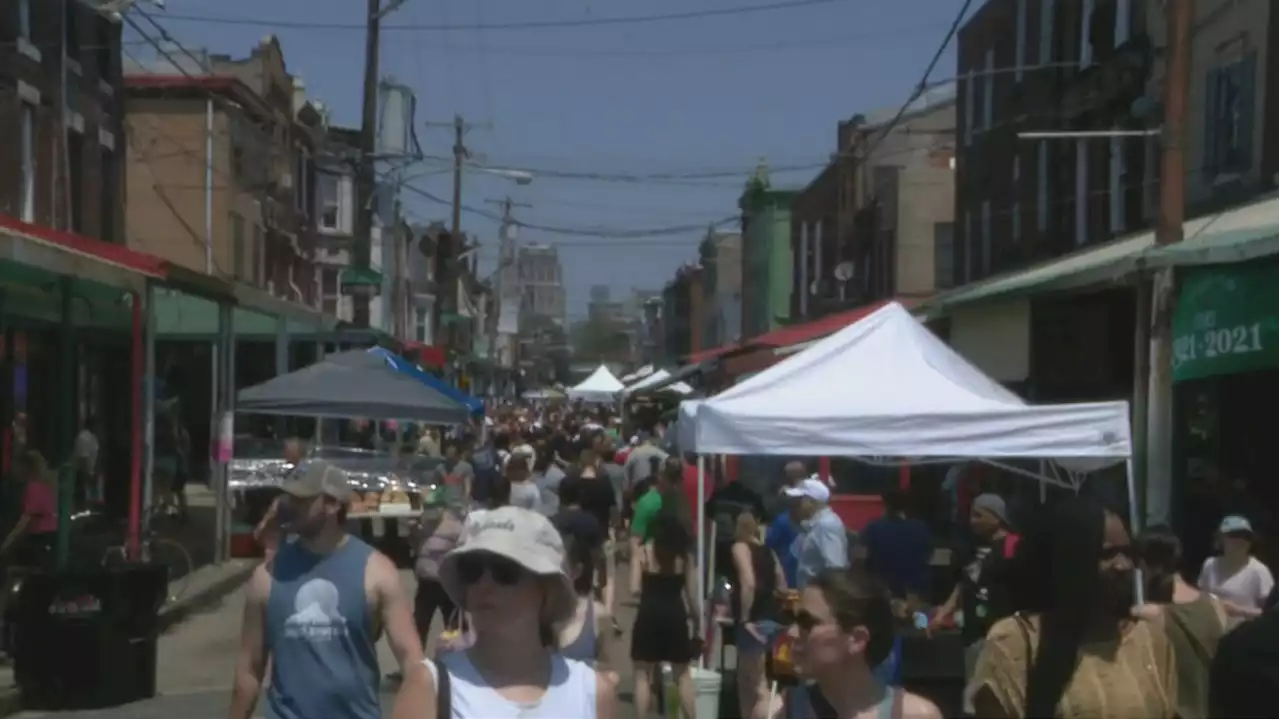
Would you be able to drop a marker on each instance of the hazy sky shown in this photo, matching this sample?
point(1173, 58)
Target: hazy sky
point(622, 102)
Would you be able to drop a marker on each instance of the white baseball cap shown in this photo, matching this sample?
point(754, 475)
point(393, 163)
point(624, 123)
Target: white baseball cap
point(812, 488)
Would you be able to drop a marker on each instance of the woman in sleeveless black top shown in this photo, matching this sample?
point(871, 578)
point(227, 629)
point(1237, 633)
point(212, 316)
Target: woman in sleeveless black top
point(755, 613)
point(668, 599)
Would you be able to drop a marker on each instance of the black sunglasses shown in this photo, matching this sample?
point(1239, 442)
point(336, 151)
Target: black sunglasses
point(1111, 553)
point(801, 619)
point(503, 571)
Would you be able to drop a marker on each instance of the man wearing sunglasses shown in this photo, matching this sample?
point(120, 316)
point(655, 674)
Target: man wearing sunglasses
point(317, 611)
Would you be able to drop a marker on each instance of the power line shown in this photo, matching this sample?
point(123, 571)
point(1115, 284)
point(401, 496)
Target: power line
point(844, 40)
point(923, 86)
point(602, 232)
point(528, 25)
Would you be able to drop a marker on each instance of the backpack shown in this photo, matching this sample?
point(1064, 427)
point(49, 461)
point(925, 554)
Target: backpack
point(484, 463)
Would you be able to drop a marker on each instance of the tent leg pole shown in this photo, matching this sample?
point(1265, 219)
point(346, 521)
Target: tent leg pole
point(1135, 527)
point(702, 547)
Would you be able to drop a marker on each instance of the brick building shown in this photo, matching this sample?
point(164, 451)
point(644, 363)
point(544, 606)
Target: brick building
point(68, 180)
point(260, 205)
point(1028, 66)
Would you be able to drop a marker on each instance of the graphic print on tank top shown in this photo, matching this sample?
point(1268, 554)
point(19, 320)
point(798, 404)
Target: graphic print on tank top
point(317, 616)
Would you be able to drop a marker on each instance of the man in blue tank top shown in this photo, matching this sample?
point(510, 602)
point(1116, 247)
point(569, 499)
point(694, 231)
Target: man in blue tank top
point(317, 610)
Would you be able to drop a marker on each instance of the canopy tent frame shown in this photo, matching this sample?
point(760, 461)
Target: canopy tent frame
point(951, 410)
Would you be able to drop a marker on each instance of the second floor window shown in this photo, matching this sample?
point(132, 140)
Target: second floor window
point(1229, 109)
point(24, 19)
point(328, 187)
point(28, 163)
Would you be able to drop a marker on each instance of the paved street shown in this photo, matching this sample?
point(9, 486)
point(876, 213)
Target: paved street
point(198, 656)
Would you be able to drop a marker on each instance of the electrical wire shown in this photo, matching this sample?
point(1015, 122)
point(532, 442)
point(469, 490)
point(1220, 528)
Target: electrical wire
point(849, 39)
point(602, 232)
point(528, 25)
point(923, 86)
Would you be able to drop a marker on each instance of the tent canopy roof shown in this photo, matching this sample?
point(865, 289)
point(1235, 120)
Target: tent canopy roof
point(658, 378)
point(602, 380)
point(356, 383)
point(885, 386)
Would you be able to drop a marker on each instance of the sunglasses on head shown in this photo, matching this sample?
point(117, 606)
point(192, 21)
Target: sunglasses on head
point(501, 570)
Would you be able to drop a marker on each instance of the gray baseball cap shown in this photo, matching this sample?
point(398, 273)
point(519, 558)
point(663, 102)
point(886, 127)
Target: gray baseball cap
point(317, 478)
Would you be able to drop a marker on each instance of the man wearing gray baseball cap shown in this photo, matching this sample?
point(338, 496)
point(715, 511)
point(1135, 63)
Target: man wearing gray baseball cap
point(317, 609)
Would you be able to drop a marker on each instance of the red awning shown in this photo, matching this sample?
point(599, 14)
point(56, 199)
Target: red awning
point(762, 352)
point(704, 355)
point(821, 327)
point(107, 253)
point(428, 355)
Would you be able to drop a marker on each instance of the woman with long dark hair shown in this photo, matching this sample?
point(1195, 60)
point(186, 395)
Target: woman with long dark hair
point(1073, 649)
point(668, 600)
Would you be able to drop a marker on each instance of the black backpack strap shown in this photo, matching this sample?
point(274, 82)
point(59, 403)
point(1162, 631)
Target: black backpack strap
point(444, 693)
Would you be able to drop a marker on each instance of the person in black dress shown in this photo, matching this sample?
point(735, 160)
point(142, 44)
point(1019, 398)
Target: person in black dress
point(668, 601)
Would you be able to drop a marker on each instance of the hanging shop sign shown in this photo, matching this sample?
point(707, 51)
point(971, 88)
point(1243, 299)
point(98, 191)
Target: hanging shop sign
point(1225, 321)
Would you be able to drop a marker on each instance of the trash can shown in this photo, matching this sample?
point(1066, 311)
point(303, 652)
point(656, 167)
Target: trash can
point(86, 638)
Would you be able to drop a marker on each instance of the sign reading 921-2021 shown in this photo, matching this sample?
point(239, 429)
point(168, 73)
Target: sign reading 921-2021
point(1225, 321)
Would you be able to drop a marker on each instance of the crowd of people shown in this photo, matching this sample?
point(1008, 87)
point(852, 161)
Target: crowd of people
point(533, 517)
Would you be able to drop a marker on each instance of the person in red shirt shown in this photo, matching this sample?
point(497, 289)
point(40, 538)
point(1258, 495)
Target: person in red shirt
point(32, 537)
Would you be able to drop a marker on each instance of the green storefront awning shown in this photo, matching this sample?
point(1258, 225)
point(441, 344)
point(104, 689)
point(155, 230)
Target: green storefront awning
point(1225, 320)
point(359, 280)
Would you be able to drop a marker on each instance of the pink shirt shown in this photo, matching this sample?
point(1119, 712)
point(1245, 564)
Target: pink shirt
point(38, 503)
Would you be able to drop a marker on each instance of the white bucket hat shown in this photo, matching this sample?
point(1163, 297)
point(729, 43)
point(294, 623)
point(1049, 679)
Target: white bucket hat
point(524, 537)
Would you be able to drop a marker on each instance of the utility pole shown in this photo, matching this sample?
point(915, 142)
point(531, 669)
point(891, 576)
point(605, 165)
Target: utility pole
point(449, 285)
point(1173, 179)
point(361, 256)
point(506, 260)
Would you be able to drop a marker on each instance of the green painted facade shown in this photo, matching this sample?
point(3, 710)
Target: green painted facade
point(766, 255)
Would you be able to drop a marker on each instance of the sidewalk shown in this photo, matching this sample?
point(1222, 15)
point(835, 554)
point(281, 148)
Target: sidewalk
point(204, 587)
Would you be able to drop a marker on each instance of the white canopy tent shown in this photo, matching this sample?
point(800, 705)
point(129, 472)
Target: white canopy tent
point(687, 424)
point(885, 387)
point(656, 378)
point(601, 386)
point(632, 378)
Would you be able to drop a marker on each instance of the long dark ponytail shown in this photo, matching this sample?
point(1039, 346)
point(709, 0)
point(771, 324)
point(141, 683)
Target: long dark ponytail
point(1058, 579)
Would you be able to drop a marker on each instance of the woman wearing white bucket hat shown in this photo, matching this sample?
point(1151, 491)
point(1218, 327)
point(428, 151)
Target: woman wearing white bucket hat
point(508, 575)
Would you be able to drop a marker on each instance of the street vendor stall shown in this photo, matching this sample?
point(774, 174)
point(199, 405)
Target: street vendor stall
point(360, 384)
point(885, 388)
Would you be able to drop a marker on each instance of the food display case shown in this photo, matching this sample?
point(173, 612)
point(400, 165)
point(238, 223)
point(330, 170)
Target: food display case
point(386, 490)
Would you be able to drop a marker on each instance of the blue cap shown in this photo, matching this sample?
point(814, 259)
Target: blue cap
point(1235, 524)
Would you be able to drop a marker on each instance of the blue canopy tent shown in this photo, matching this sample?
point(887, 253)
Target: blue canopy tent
point(475, 405)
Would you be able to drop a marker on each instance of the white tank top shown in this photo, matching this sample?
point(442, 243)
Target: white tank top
point(571, 692)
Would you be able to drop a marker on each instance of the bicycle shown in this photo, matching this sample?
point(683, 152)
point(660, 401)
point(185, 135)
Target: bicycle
point(156, 549)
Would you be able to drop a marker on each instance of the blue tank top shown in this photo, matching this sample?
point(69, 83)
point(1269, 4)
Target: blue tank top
point(321, 636)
